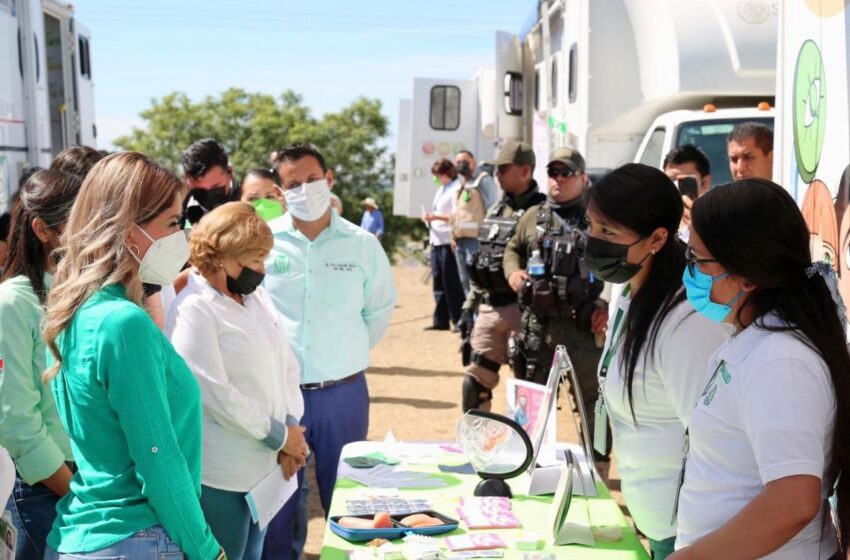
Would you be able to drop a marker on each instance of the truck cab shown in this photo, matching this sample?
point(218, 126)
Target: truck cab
point(706, 129)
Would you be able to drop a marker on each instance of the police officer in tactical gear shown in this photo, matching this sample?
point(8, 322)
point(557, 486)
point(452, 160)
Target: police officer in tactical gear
point(560, 302)
point(486, 343)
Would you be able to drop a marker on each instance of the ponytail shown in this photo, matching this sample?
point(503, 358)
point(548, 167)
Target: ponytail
point(48, 196)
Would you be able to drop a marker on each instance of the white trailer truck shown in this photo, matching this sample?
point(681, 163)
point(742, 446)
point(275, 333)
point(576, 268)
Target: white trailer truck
point(46, 90)
point(621, 80)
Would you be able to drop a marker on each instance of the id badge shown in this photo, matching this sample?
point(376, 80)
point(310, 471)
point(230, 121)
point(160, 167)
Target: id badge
point(600, 427)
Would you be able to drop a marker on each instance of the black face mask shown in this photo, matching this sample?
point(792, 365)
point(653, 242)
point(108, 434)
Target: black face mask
point(210, 198)
point(246, 283)
point(607, 260)
point(464, 169)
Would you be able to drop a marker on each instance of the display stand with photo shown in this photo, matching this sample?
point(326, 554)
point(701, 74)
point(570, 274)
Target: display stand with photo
point(528, 406)
point(544, 476)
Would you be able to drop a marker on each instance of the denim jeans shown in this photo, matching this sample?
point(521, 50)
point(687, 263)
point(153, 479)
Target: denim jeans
point(662, 549)
point(466, 247)
point(33, 510)
point(152, 543)
point(231, 523)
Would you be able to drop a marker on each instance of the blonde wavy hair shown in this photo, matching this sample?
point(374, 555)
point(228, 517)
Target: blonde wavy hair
point(232, 230)
point(120, 190)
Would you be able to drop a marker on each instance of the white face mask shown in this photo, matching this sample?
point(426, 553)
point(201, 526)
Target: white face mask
point(164, 259)
point(310, 201)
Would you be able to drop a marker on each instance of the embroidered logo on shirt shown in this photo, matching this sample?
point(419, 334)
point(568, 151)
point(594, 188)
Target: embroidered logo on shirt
point(711, 390)
point(724, 373)
point(281, 264)
point(341, 267)
point(1, 365)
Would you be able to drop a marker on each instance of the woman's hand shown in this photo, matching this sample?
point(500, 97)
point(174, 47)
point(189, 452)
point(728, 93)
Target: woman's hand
point(296, 445)
point(59, 482)
point(289, 465)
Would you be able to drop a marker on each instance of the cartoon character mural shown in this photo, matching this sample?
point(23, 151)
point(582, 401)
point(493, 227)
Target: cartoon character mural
point(814, 41)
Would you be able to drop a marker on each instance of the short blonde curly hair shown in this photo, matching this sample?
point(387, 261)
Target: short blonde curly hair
point(232, 230)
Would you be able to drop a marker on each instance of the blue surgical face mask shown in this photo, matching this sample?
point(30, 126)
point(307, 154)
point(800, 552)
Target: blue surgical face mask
point(698, 288)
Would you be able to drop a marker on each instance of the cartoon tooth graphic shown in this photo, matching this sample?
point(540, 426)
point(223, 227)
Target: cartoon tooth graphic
point(809, 110)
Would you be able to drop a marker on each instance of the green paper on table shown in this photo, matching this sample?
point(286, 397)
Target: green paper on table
point(533, 511)
point(370, 460)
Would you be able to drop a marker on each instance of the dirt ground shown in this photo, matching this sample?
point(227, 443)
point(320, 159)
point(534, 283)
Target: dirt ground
point(415, 383)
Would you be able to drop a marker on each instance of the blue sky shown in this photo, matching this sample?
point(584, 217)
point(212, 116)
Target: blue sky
point(329, 51)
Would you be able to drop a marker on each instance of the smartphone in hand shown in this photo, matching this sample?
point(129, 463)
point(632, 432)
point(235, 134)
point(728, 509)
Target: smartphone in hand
point(688, 186)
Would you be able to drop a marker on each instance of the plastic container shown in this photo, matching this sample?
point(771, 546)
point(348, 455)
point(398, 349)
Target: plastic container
point(397, 531)
point(536, 266)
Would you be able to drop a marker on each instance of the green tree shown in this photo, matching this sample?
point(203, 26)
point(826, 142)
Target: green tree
point(251, 125)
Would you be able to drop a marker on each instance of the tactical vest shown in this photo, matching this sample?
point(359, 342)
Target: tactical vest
point(568, 290)
point(469, 210)
point(486, 268)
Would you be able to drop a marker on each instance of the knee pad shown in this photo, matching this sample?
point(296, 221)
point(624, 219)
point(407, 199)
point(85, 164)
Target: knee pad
point(474, 394)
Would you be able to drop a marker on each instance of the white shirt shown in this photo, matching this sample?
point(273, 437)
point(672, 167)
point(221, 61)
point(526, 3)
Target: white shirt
point(247, 374)
point(440, 231)
point(767, 414)
point(665, 389)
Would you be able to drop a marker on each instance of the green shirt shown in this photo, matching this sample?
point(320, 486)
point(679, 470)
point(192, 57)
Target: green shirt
point(30, 429)
point(133, 411)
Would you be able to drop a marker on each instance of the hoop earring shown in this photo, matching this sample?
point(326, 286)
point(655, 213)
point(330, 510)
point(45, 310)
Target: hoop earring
point(134, 249)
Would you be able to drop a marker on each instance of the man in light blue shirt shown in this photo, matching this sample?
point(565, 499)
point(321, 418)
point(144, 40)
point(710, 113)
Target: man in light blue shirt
point(332, 282)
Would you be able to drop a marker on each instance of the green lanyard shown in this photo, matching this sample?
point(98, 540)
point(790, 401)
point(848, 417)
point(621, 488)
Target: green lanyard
point(615, 341)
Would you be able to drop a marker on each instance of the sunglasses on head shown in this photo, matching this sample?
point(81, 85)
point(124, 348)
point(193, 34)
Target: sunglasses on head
point(555, 172)
point(692, 261)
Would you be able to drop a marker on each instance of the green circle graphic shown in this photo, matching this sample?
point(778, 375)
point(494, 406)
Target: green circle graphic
point(809, 109)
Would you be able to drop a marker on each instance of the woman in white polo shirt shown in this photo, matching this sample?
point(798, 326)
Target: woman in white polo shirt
point(769, 435)
point(657, 346)
point(231, 336)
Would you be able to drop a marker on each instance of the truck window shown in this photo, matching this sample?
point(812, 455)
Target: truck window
point(513, 93)
point(445, 107)
point(652, 153)
point(554, 81)
point(37, 58)
point(710, 135)
point(573, 73)
point(537, 90)
point(20, 54)
point(85, 60)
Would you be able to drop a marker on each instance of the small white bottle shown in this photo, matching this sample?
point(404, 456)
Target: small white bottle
point(536, 266)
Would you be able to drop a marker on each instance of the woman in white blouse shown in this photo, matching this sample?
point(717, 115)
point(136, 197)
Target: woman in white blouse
point(657, 347)
point(231, 336)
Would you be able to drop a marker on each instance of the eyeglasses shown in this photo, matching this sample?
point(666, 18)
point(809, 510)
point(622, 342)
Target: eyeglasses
point(554, 173)
point(692, 260)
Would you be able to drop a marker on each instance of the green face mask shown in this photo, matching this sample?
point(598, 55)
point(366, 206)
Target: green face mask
point(268, 209)
point(437, 181)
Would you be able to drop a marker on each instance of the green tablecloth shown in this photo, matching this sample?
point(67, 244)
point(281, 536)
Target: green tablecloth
point(533, 512)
